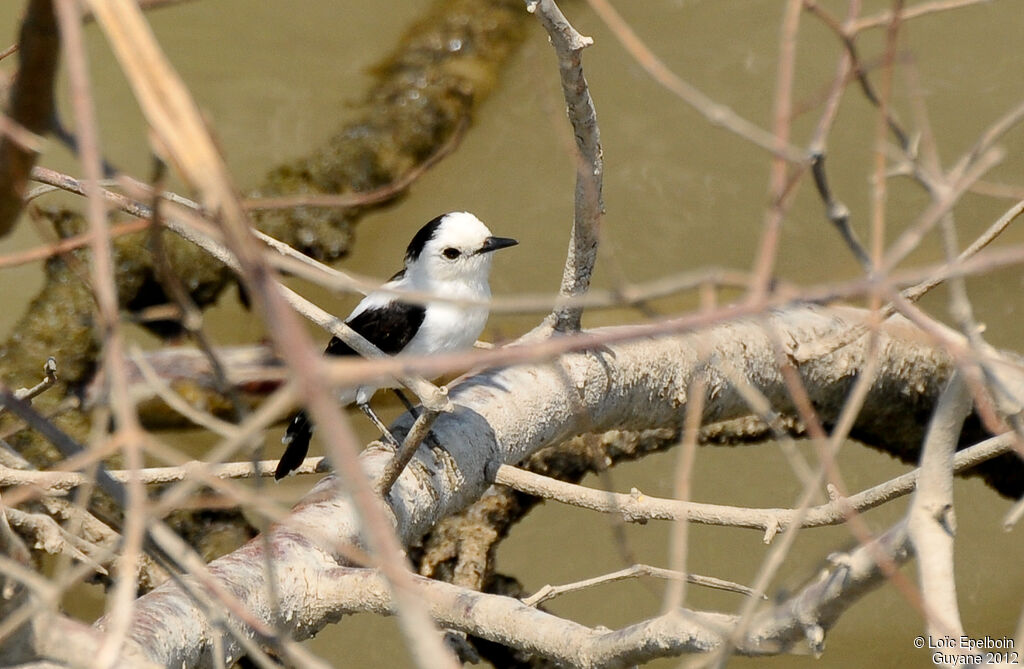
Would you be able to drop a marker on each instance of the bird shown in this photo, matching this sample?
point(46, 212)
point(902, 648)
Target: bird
point(450, 257)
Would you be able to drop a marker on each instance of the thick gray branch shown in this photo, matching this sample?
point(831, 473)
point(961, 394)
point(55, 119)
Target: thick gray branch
point(502, 416)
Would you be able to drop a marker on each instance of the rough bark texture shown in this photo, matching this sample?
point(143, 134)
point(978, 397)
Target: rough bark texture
point(504, 416)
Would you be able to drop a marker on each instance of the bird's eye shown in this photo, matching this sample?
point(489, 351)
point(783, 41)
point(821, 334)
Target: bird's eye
point(451, 253)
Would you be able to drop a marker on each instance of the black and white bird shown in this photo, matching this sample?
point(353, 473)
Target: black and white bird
point(450, 257)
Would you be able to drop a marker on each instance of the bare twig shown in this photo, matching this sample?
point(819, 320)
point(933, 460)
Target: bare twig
point(52, 538)
point(883, 120)
point(11, 545)
point(589, 208)
point(59, 482)
point(780, 188)
point(640, 508)
point(637, 570)
point(20, 135)
point(675, 593)
point(49, 379)
point(884, 17)
point(847, 36)
point(65, 245)
point(357, 371)
point(917, 291)
point(837, 212)
point(987, 139)
point(715, 113)
point(1014, 515)
point(805, 616)
point(176, 401)
point(128, 430)
point(419, 431)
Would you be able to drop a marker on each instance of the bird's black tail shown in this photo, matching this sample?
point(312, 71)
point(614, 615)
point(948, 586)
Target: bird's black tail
point(296, 445)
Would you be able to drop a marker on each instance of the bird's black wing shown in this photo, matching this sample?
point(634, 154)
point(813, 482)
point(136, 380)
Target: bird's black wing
point(390, 327)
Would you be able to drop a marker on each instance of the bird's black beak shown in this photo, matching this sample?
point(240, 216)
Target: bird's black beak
point(495, 243)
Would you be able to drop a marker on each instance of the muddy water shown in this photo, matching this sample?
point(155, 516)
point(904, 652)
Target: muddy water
point(680, 195)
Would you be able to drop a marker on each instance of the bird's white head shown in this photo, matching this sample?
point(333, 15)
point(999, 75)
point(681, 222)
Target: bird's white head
point(453, 249)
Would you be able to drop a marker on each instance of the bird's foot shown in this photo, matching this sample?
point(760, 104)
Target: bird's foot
point(406, 403)
point(386, 437)
point(389, 440)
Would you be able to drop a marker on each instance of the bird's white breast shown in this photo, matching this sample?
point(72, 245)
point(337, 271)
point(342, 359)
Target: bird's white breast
point(447, 328)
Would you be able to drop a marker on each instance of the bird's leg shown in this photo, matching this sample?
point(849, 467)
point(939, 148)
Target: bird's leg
point(384, 431)
point(430, 438)
point(432, 441)
point(408, 405)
